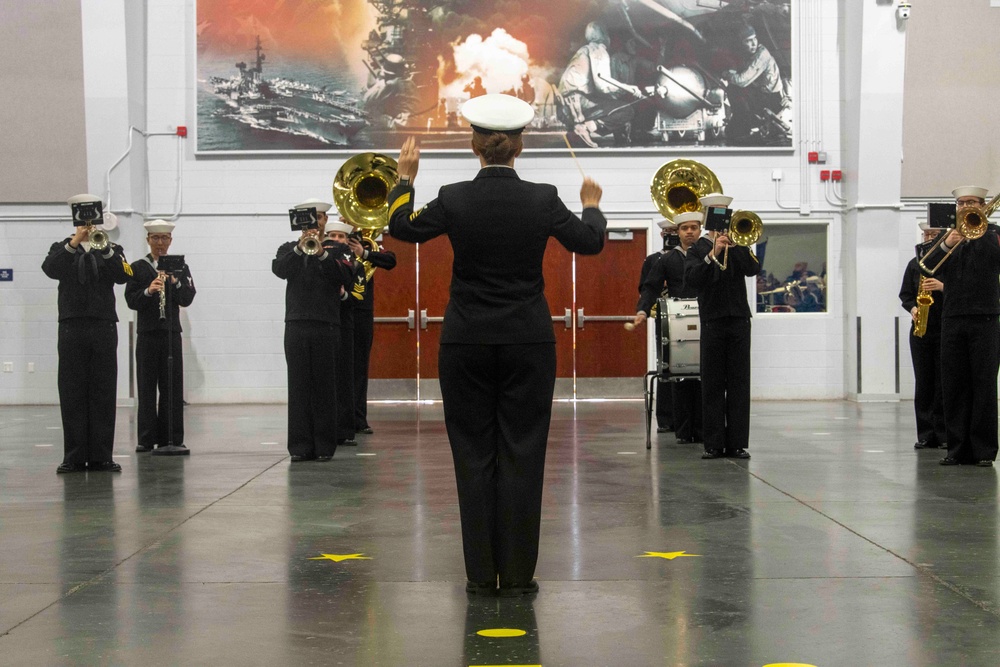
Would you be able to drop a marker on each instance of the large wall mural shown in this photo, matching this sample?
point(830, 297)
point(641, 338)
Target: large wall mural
point(306, 75)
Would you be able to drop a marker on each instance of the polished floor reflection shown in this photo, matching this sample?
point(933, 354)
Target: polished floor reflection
point(836, 544)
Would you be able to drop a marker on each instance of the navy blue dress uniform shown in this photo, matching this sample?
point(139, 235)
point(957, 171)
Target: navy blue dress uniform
point(312, 338)
point(87, 347)
point(970, 344)
point(156, 340)
point(925, 354)
point(497, 362)
point(664, 390)
point(725, 346)
point(686, 394)
point(364, 335)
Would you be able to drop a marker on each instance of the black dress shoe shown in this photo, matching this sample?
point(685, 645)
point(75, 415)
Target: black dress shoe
point(738, 454)
point(516, 591)
point(143, 448)
point(350, 442)
point(367, 430)
point(985, 463)
point(70, 467)
point(104, 466)
point(949, 461)
point(685, 441)
point(297, 458)
point(923, 444)
point(712, 454)
point(487, 589)
point(323, 459)
point(171, 450)
point(663, 429)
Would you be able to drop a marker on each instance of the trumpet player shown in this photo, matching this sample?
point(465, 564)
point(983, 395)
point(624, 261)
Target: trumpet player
point(88, 339)
point(725, 341)
point(925, 349)
point(314, 281)
point(157, 297)
point(970, 338)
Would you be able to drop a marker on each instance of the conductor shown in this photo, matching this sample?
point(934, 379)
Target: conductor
point(497, 362)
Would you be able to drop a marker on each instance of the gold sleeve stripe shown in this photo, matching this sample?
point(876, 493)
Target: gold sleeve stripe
point(403, 199)
point(127, 267)
point(416, 213)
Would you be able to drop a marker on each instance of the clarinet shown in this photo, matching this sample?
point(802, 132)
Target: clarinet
point(163, 296)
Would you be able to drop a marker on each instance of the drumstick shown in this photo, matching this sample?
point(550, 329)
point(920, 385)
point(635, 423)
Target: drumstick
point(629, 326)
point(566, 139)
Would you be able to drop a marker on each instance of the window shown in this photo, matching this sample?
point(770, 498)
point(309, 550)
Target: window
point(792, 275)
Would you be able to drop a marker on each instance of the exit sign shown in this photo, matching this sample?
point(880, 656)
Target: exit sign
point(6, 274)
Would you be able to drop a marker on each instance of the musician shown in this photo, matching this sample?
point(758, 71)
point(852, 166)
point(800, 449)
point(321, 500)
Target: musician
point(725, 341)
point(158, 298)
point(87, 344)
point(497, 362)
point(669, 271)
point(337, 236)
point(364, 328)
point(313, 292)
point(664, 390)
point(925, 351)
point(970, 338)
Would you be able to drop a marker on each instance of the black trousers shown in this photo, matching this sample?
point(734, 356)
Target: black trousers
point(725, 383)
point(928, 397)
point(364, 334)
point(151, 365)
point(345, 376)
point(664, 391)
point(497, 408)
point(88, 391)
point(311, 357)
point(969, 361)
point(687, 409)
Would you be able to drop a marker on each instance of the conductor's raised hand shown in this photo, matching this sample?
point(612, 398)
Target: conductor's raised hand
point(590, 193)
point(409, 159)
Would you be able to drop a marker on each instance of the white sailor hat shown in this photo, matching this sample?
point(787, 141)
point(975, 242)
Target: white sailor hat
point(969, 191)
point(159, 227)
point(691, 216)
point(82, 199)
point(332, 226)
point(667, 225)
point(715, 199)
point(497, 113)
point(925, 226)
point(320, 206)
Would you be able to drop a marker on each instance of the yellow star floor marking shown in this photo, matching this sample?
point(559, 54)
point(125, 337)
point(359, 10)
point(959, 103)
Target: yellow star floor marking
point(669, 555)
point(505, 666)
point(336, 558)
point(501, 632)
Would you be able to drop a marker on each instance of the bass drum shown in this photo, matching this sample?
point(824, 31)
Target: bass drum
point(678, 353)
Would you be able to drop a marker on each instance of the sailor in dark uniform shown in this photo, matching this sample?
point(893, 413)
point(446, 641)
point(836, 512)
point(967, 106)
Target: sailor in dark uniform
point(664, 390)
point(88, 341)
point(970, 338)
point(314, 285)
point(925, 351)
point(364, 327)
point(159, 360)
point(725, 338)
point(497, 363)
point(669, 271)
point(337, 233)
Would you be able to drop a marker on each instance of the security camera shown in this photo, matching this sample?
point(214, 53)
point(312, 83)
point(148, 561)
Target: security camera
point(903, 10)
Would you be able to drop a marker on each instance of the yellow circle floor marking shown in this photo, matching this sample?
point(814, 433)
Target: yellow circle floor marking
point(501, 632)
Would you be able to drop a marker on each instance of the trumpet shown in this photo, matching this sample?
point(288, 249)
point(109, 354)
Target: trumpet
point(971, 222)
point(745, 229)
point(924, 303)
point(310, 244)
point(98, 238)
point(163, 294)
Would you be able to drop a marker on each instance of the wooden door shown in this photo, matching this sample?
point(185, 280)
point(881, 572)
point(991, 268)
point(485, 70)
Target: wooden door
point(557, 269)
point(434, 259)
point(393, 369)
point(609, 359)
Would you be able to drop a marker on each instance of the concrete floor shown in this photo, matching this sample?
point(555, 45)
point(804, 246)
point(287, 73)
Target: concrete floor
point(837, 544)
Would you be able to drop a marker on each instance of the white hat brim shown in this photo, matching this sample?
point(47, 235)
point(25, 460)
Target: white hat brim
point(498, 112)
point(317, 204)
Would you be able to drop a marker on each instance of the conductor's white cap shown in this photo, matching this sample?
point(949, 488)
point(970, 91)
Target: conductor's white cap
point(667, 225)
point(320, 206)
point(497, 113)
point(716, 199)
point(691, 216)
point(332, 226)
point(159, 227)
point(969, 191)
point(82, 199)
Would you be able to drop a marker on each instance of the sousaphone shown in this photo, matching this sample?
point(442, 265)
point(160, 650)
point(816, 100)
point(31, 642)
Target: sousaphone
point(361, 194)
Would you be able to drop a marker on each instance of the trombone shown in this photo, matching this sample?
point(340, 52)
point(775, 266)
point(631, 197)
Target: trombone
point(745, 229)
point(971, 222)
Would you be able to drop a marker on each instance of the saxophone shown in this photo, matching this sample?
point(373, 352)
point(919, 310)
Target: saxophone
point(924, 303)
point(163, 296)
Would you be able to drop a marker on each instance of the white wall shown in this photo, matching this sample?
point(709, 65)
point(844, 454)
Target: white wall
point(233, 219)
